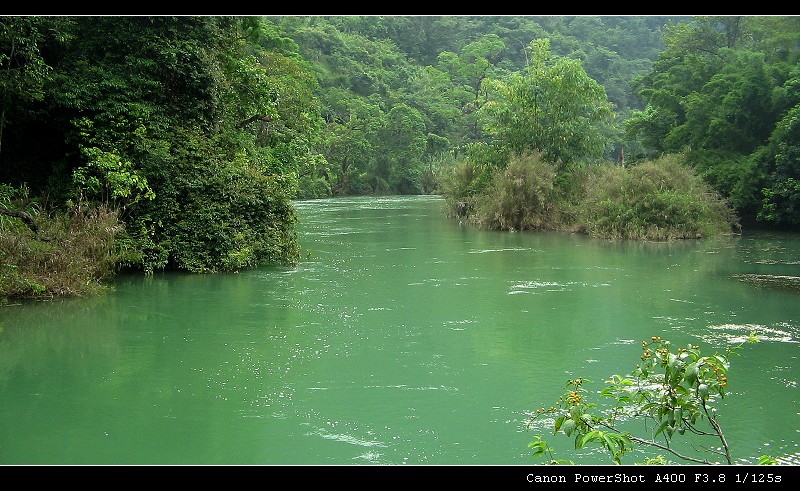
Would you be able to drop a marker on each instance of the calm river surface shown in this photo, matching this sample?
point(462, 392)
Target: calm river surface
point(402, 337)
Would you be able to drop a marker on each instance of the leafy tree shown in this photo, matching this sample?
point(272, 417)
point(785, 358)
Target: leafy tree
point(665, 91)
point(403, 144)
point(109, 179)
point(780, 194)
point(374, 141)
point(202, 121)
point(22, 68)
point(196, 129)
point(349, 142)
point(474, 63)
point(468, 69)
point(733, 110)
point(553, 108)
point(440, 103)
point(441, 65)
point(25, 72)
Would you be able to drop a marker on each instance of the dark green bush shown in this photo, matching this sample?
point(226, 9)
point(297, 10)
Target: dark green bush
point(661, 199)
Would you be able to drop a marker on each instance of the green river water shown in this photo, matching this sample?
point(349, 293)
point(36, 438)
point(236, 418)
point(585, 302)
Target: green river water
point(402, 337)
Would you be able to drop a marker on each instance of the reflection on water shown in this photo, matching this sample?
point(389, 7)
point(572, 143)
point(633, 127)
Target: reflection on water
point(402, 338)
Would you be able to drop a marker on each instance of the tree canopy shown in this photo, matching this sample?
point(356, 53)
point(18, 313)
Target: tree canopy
point(197, 133)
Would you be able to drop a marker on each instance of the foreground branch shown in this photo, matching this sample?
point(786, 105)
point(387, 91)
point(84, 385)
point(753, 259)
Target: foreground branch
point(667, 449)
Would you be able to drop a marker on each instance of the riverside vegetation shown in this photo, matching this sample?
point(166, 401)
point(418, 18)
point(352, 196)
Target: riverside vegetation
point(167, 143)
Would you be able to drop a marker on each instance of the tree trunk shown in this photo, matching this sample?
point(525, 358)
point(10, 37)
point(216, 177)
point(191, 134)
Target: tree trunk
point(22, 216)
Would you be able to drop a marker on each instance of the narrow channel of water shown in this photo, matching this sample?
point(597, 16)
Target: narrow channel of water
point(402, 337)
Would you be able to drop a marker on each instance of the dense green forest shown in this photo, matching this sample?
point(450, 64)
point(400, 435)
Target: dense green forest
point(180, 143)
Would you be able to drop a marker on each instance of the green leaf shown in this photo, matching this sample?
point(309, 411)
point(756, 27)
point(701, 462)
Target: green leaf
point(592, 435)
point(607, 441)
point(539, 445)
point(766, 460)
point(692, 371)
point(702, 390)
point(661, 428)
point(568, 427)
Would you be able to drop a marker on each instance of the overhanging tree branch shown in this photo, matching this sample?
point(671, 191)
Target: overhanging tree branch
point(257, 117)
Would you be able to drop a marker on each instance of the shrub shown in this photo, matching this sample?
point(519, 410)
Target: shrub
point(674, 391)
point(461, 187)
point(660, 199)
point(520, 197)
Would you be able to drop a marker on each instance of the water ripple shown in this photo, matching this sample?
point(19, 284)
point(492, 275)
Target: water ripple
point(484, 251)
point(341, 437)
point(550, 286)
point(783, 333)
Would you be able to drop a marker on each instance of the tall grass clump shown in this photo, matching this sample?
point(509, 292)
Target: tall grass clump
point(462, 186)
point(520, 197)
point(72, 253)
point(661, 199)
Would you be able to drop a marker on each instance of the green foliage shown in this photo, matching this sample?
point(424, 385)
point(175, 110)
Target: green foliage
point(674, 391)
point(236, 217)
point(462, 184)
point(781, 203)
point(110, 179)
point(660, 199)
point(313, 183)
point(474, 61)
point(780, 194)
point(200, 131)
point(541, 449)
point(767, 460)
point(520, 197)
point(403, 142)
point(733, 110)
point(434, 167)
point(723, 170)
point(197, 133)
point(443, 67)
point(349, 142)
point(554, 108)
point(24, 70)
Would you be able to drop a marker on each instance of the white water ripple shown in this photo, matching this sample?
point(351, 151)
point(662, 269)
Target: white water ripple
point(484, 251)
point(350, 439)
point(550, 286)
point(739, 333)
